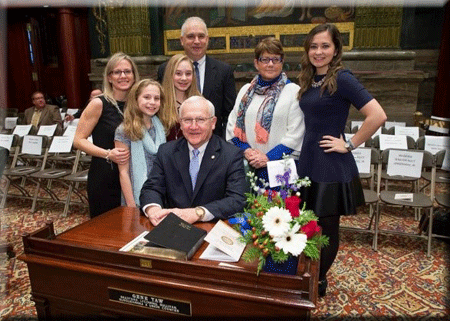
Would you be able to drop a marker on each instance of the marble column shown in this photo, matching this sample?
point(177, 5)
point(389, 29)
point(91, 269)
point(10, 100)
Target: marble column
point(441, 100)
point(69, 57)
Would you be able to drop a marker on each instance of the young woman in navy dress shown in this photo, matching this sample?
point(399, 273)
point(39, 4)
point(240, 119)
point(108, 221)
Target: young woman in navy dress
point(326, 92)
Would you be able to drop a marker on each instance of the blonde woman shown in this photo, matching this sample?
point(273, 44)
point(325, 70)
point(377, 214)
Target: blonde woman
point(100, 119)
point(179, 83)
point(141, 133)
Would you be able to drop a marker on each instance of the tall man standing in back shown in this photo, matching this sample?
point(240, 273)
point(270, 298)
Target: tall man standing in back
point(215, 79)
point(43, 114)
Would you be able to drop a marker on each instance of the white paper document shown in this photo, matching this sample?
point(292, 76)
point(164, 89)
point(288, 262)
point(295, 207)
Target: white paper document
point(390, 124)
point(46, 130)
point(404, 197)
point(22, 130)
point(70, 131)
point(6, 141)
point(276, 171)
point(32, 145)
point(61, 144)
point(393, 141)
point(10, 122)
point(407, 131)
point(224, 244)
point(405, 163)
point(362, 158)
point(434, 144)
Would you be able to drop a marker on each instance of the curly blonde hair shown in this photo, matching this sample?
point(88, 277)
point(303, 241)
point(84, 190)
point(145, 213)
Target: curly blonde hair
point(169, 114)
point(133, 121)
point(308, 70)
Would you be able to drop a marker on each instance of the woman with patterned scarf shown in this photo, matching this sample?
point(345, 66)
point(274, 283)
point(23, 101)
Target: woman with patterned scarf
point(266, 121)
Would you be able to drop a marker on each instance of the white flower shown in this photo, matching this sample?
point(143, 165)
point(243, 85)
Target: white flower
point(292, 242)
point(276, 221)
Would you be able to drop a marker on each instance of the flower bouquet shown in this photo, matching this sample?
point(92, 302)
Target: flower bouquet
point(276, 225)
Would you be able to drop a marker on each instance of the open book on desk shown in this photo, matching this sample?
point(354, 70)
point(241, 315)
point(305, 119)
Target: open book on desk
point(224, 244)
point(172, 238)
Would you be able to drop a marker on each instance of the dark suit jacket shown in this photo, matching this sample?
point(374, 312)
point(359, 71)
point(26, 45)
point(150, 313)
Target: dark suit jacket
point(50, 115)
point(219, 88)
point(220, 185)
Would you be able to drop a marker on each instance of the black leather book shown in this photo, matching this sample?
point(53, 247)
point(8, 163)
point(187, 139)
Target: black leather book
point(176, 235)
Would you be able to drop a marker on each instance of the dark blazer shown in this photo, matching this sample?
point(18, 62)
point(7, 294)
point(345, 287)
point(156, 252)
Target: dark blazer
point(220, 185)
point(50, 115)
point(219, 88)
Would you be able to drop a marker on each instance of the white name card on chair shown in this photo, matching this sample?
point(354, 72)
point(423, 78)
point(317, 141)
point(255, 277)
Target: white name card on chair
point(61, 144)
point(407, 131)
point(405, 163)
point(22, 130)
point(362, 158)
point(390, 124)
point(434, 144)
point(10, 122)
point(446, 161)
point(47, 130)
point(355, 123)
point(32, 145)
point(348, 136)
point(377, 133)
point(71, 111)
point(393, 141)
point(6, 141)
point(70, 130)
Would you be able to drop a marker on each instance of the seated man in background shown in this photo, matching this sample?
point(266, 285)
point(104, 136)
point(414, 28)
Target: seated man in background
point(42, 113)
point(174, 186)
point(94, 93)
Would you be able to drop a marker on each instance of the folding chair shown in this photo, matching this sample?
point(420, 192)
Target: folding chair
point(77, 177)
point(370, 194)
point(418, 200)
point(53, 171)
point(19, 173)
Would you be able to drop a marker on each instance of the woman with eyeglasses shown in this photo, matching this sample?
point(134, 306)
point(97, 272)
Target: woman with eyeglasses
point(266, 121)
point(100, 119)
point(327, 91)
point(179, 84)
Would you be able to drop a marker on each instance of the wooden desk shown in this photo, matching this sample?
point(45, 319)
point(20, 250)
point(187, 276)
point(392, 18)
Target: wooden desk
point(81, 272)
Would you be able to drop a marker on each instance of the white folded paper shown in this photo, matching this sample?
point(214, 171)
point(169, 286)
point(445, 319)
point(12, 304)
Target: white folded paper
point(404, 197)
point(224, 244)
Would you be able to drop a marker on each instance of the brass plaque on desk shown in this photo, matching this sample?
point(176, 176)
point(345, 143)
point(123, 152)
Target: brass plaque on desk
point(150, 301)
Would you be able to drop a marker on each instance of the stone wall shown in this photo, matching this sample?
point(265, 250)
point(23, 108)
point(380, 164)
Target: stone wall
point(402, 81)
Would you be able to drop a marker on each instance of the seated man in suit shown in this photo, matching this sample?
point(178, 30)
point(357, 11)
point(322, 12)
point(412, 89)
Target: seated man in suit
point(42, 113)
point(215, 79)
point(174, 186)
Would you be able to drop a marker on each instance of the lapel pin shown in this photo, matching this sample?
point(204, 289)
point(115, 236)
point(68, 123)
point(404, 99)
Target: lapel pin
point(212, 157)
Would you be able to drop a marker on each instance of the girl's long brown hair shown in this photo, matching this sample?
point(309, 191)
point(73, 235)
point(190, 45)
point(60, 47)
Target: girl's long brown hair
point(308, 70)
point(133, 121)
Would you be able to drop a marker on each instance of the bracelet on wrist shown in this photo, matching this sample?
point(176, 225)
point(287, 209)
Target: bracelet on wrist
point(108, 160)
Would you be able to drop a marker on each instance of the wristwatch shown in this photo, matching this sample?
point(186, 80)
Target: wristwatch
point(349, 145)
point(200, 211)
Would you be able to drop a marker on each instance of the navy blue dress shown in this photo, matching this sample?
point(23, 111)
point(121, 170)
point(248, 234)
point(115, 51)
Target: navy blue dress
point(335, 186)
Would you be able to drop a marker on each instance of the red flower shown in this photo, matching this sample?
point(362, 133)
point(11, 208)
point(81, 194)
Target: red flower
point(293, 205)
point(310, 229)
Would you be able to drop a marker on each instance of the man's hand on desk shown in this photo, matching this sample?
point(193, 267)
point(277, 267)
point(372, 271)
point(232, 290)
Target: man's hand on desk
point(156, 214)
point(187, 214)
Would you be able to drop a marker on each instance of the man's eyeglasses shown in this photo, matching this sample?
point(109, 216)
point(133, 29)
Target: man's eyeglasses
point(117, 73)
point(266, 60)
point(199, 121)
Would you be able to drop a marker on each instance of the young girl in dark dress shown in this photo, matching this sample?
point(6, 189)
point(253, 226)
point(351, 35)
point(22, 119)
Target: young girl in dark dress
point(327, 90)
